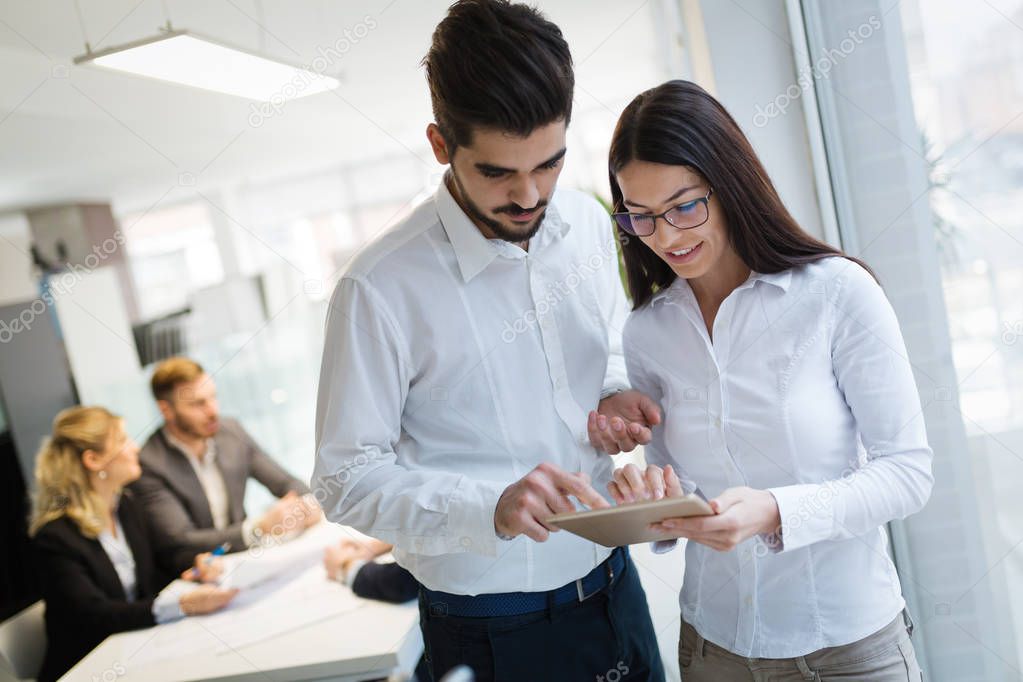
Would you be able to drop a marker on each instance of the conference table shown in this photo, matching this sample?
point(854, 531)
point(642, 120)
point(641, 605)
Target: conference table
point(288, 622)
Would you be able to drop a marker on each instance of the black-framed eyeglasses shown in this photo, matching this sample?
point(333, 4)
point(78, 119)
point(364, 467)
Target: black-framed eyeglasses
point(685, 216)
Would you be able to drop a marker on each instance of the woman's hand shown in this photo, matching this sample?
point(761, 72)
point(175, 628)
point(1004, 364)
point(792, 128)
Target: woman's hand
point(631, 484)
point(207, 569)
point(205, 599)
point(622, 421)
point(740, 513)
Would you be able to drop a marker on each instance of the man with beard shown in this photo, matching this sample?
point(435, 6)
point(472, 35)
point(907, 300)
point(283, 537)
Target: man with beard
point(195, 469)
point(464, 349)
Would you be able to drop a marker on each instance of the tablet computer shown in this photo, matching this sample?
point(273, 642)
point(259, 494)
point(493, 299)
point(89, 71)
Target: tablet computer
point(628, 524)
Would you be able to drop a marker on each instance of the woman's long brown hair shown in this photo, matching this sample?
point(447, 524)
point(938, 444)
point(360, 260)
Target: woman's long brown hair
point(678, 123)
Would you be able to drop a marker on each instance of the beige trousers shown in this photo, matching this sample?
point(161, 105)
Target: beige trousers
point(885, 656)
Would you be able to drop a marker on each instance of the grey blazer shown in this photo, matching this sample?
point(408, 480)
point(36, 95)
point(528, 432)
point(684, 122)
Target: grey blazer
point(175, 505)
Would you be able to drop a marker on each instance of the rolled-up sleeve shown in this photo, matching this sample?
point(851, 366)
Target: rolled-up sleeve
point(358, 478)
point(876, 378)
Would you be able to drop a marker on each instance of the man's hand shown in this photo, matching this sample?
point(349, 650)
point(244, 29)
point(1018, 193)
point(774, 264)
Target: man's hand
point(378, 548)
point(313, 511)
point(740, 513)
point(526, 504)
point(338, 558)
point(289, 514)
point(622, 421)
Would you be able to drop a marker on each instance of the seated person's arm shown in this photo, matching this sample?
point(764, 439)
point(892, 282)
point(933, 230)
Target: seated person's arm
point(175, 536)
point(353, 563)
point(267, 471)
point(66, 585)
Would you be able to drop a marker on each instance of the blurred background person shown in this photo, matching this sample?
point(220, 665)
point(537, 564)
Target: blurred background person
point(95, 559)
point(196, 466)
point(355, 563)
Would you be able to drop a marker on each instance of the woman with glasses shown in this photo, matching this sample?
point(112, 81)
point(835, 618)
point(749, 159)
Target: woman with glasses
point(786, 398)
point(93, 552)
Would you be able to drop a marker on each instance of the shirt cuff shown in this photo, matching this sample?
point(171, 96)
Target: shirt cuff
point(167, 605)
point(353, 570)
point(807, 516)
point(471, 517)
point(612, 386)
point(250, 533)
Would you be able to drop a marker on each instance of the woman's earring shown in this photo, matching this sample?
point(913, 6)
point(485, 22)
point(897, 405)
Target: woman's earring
point(102, 475)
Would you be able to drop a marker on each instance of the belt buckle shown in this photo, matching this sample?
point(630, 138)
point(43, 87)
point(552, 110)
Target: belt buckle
point(582, 593)
point(610, 578)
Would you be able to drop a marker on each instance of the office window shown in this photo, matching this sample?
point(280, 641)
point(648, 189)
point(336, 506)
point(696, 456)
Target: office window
point(172, 252)
point(922, 114)
point(970, 113)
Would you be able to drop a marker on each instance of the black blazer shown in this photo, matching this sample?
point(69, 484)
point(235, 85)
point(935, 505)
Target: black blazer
point(386, 582)
point(85, 602)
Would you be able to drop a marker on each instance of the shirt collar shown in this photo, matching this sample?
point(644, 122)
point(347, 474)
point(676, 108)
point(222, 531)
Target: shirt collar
point(679, 289)
point(473, 251)
point(211, 449)
point(778, 279)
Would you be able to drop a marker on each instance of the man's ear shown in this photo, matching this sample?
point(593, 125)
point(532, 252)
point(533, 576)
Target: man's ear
point(166, 411)
point(438, 144)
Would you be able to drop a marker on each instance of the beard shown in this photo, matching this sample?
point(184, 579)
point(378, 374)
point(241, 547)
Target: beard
point(515, 235)
point(197, 428)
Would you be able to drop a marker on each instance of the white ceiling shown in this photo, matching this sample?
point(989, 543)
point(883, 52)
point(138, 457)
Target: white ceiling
point(70, 133)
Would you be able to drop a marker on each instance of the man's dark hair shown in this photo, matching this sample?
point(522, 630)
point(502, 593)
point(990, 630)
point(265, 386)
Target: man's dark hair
point(499, 66)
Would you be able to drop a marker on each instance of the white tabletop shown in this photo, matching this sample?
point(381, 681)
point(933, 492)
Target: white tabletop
point(348, 639)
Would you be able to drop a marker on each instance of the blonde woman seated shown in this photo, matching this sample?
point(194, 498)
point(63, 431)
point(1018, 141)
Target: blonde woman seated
point(92, 545)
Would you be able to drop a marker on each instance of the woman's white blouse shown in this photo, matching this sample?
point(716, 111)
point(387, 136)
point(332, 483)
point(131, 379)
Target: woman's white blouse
point(805, 391)
point(166, 606)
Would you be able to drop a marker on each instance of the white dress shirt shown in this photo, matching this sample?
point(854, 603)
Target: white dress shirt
point(805, 391)
point(210, 478)
point(453, 365)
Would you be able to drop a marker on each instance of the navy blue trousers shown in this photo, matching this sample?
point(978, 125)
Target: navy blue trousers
point(606, 638)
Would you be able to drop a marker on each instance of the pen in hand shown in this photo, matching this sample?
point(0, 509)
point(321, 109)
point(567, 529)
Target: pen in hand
point(219, 551)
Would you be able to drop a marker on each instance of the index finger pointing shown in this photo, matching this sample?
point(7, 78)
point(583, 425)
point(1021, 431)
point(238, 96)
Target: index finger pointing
point(583, 491)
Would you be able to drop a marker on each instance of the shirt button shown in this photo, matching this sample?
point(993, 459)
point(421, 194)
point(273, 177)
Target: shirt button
point(749, 601)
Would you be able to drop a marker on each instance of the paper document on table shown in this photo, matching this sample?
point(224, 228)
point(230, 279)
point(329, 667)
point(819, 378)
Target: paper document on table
point(276, 607)
point(261, 563)
point(282, 588)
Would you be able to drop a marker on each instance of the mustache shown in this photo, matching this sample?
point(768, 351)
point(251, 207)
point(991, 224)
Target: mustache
point(515, 209)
